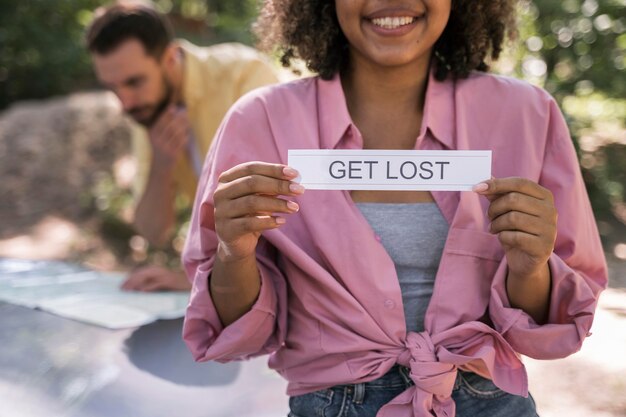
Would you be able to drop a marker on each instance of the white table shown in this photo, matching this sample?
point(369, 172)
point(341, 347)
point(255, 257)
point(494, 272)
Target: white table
point(51, 366)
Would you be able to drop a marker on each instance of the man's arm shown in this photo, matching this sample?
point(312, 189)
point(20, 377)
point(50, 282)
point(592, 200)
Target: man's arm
point(155, 215)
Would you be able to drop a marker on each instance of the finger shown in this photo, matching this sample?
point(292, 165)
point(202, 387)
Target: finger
point(531, 244)
point(278, 171)
point(168, 280)
point(258, 184)
point(177, 139)
point(515, 201)
point(246, 225)
point(140, 275)
point(127, 285)
point(254, 205)
point(170, 121)
point(164, 118)
point(136, 282)
point(178, 119)
point(176, 131)
point(497, 186)
point(155, 285)
point(522, 222)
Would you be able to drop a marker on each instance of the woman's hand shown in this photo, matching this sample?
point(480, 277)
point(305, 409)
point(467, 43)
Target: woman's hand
point(523, 215)
point(246, 203)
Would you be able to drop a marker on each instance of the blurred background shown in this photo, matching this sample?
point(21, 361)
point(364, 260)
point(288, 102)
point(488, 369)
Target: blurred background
point(64, 163)
point(65, 167)
point(66, 170)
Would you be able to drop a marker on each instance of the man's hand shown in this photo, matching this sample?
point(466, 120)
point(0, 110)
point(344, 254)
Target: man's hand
point(168, 136)
point(154, 217)
point(156, 278)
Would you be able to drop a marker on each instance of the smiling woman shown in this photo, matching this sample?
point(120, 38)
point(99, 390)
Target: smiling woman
point(311, 31)
point(393, 303)
point(375, 33)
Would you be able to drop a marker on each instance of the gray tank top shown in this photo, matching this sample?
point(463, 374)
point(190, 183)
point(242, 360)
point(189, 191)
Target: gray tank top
point(414, 239)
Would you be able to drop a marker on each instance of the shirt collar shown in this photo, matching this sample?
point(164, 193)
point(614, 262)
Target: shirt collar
point(335, 119)
point(439, 110)
point(332, 109)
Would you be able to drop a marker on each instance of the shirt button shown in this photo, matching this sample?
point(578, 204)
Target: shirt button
point(377, 238)
point(389, 304)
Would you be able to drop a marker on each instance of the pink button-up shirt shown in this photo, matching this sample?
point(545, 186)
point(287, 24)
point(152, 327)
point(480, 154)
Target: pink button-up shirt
point(330, 308)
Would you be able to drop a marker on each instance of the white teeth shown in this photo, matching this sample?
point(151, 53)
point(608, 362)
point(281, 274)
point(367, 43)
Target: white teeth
point(392, 22)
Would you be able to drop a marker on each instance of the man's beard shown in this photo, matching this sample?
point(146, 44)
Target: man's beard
point(158, 108)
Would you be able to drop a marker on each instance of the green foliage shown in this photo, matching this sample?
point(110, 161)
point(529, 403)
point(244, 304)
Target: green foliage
point(41, 53)
point(215, 20)
point(571, 46)
point(574, 46)
point(576, 49)
point(41, 41)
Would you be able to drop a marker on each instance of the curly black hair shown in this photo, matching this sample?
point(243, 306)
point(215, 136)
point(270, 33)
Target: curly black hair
point(309, 30)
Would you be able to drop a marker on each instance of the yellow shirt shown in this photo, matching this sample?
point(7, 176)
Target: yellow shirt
point(214, 78)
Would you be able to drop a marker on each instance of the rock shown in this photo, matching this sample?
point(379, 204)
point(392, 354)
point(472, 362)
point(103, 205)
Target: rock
point(51, 152)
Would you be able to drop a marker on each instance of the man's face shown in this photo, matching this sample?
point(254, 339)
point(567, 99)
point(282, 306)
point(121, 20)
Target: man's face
point(136, 78)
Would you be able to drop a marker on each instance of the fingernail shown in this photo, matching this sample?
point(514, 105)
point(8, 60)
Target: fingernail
point(478, 188)
point(280, 220)
point(293, 206)
point(296, 188)
point(290, 172)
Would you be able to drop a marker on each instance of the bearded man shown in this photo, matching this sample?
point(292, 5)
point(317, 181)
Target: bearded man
point(179, 93)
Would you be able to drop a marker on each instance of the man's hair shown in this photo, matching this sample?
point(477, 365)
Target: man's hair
point(309, 30)
point(129, 20)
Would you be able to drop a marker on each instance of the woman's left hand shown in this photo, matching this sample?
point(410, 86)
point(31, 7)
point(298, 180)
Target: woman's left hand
point(523, 215)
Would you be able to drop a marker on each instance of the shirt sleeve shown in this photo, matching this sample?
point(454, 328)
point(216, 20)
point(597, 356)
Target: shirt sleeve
point(577, 265)
point(262, 329)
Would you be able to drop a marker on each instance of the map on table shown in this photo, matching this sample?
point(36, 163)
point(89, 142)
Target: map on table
point(84, 295)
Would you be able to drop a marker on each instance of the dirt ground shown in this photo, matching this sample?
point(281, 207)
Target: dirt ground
point(57, 155)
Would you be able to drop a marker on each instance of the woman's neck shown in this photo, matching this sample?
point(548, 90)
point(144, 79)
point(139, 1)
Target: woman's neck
point(386, 104)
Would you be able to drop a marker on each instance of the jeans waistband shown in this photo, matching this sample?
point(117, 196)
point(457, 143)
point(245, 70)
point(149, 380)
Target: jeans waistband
point(396, 377)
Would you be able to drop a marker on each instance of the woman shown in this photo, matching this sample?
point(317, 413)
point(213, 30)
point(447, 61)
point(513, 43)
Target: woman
point(393, 303)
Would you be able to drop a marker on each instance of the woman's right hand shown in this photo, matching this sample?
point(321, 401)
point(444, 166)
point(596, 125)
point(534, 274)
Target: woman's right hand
point(247, 201)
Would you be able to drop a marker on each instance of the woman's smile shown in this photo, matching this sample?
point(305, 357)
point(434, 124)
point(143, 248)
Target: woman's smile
point(392, 34)
point(392, 26)
point(393, 21)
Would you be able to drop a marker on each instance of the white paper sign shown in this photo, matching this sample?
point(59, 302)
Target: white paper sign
point(390, 170)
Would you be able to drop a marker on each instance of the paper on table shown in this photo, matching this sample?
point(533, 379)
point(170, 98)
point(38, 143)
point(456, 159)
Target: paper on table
point(322, 169)
point(91, 297)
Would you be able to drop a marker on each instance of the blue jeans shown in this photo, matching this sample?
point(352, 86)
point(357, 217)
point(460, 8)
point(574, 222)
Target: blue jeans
point(474, 396)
